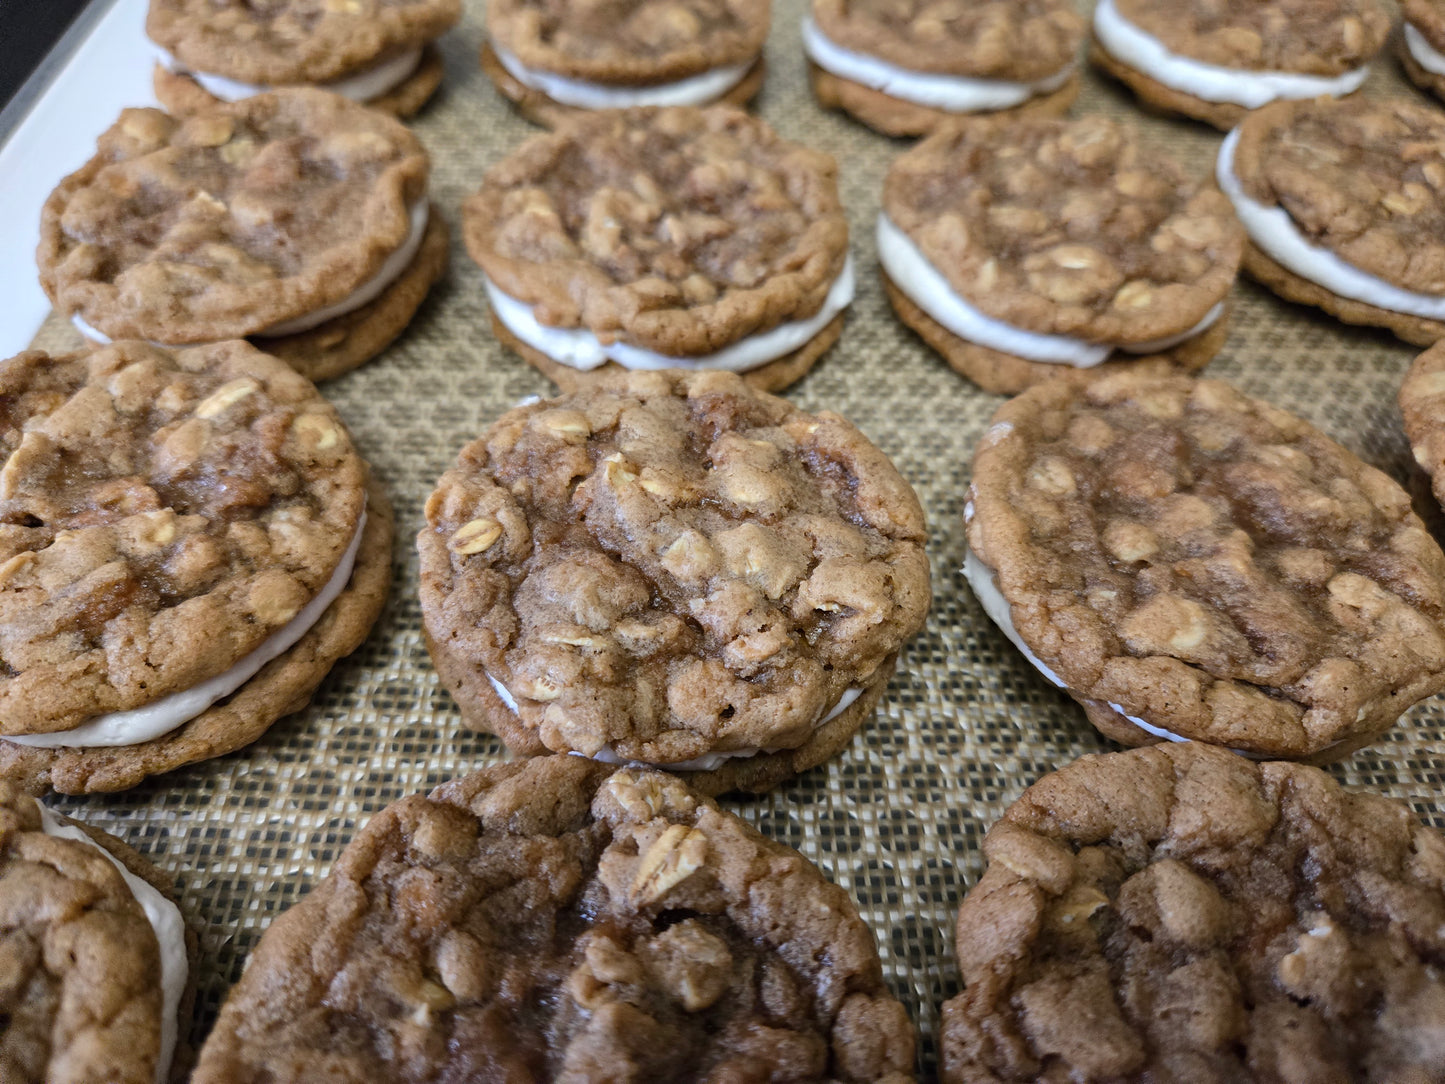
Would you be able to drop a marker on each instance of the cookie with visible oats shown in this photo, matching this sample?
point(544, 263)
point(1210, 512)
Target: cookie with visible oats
point(1214, 61)
point(556, 919)
point(664, 238)
point(1422, 403)
point(674, 569)
point(1180, 913)
point(1189, 563)
point(188, 543)
point(1342, 204)
point(1032, 250)
point(97, 979)
point(377, 52)
point(554, 59)
point(295, 218)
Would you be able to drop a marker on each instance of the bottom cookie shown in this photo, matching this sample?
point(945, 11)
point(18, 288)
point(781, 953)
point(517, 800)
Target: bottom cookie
point(1427, 81)
point(1412, 329)
point(895, 117)
point(1155, 95)
point(1007, 374)
point(557, 919)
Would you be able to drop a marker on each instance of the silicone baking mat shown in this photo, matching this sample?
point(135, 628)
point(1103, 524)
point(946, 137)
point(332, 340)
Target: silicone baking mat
point(966, 724)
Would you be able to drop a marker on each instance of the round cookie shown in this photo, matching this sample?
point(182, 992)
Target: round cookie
point(378, 52)
point(554, 60)
point(664, 238)
point(296, 218)
point(1421, 45)
point(556, 919)
point(1216, 61)
point(1189, 563)
point(1341, 202)
point(904, 69)
point(674, 569)
point(1033, 250)
point(1180, 913)
point(98, 961)
point(191, 543)
point(1422, 404)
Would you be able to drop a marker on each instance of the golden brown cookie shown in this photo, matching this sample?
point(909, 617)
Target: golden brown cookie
point(378, 52)
point(192, 542)
point(1032, 250)
point(1422, 403)
point(906, 68)
point(1189, 563)
point(1179, 913)
point(675, 569)
point(289, 213)
point(664, 238)
point(556, 919)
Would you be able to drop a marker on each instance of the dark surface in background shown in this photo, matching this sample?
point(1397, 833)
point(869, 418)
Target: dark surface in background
point(28, 29)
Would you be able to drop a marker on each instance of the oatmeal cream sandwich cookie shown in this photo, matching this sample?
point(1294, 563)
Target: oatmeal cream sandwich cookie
point(188, 543)
point(378, 52)
point(903, 68)
point(1421, 45)
point(295, 218)
point(558, 919)
point(1189, 563)
point(664, 239)
point(1215, 60)
point(1182, 914)
point(95, 959)
point(1030, 250)
point(1342, 204)
point(554, 59)
point(1422, 404)
point(674, 569)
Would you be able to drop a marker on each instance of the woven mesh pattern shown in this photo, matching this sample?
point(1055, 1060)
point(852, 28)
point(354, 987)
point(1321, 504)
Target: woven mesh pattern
point(966, 724)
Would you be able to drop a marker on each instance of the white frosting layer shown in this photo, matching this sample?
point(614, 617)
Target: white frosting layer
point(1210, 82)
point(119, 728)
point(165, 919)
point(926, 287)
point(364, 86)
point(951, 93)
point(697, 89)
point(1425, 54)
point(1272, 229)
point(581, 349)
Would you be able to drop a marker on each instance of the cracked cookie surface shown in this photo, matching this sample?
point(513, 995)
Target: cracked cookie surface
point(1209, 564)
point(1066, 227)
point(676, 230)
point(1180, 913)
point(554, 919)
point(226, 222)
point(667, 566)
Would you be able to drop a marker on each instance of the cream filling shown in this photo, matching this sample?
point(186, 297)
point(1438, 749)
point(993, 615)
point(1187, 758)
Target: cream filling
point(926, 287)
point(363, 86)
point(1425, 54)
point(1211, 82)
point(121, 728)
point(706, 763)
point(165, 919)
point(368, 291)
point(697, 89)
point(579, 348)
point(1272, 229)
point(950, 93)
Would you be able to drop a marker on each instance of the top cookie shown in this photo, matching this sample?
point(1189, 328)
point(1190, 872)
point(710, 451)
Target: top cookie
point(293, 41)
point(163, 514)
point(1179, 913)
point(1361, 177)
point(1307, 37)
point(629, 41)
point(228, 222)
point(550, 920)
point(672, 565)
point(1208, 563)
point(676, 230)
point(1015, 40)
point(1066, 227)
